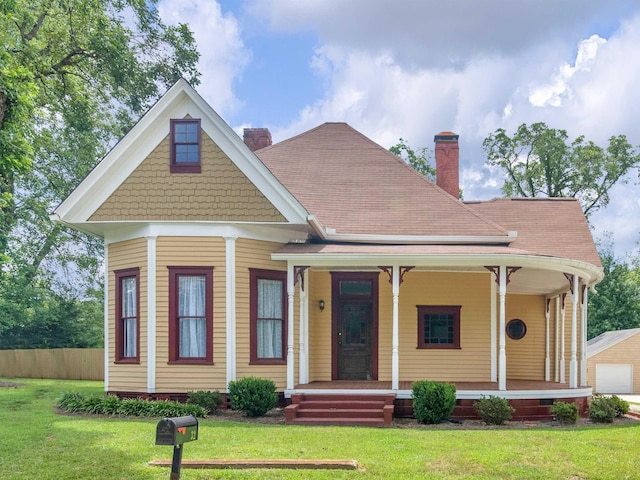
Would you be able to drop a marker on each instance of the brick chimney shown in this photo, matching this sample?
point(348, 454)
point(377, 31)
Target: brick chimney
point(257, 138)
point(447, 176)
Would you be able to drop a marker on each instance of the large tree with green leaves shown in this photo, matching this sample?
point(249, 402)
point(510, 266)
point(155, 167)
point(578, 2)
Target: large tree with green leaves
point(617, 303)
point(420, 161)
point(74, 75)
point(539, 161)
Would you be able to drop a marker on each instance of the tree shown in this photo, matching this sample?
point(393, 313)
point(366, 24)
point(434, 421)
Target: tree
point(617, 303)
point(74, 74)
point(539, 161)
point(420, 161)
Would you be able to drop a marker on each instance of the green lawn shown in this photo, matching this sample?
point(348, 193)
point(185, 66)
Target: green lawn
point(37, 443)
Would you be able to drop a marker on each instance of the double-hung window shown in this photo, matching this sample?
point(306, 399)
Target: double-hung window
point(185, 146)
point(190, 314)
point(438, 326)
point(127, 315)
point(268, 316)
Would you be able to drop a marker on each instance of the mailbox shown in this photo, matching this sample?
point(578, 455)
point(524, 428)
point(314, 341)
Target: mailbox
point(177, 430)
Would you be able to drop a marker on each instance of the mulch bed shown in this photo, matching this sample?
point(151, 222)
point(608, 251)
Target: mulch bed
point(12, 384)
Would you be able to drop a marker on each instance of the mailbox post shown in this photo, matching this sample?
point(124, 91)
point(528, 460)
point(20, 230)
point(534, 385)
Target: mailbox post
point(176, 431)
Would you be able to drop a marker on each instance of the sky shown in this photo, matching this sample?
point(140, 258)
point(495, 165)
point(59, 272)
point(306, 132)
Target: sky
point(413, 68)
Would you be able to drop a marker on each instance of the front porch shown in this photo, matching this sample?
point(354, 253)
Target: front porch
point(530, 398)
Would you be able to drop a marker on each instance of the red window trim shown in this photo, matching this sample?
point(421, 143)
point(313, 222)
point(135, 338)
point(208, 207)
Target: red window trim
point(255, 274)
point(183, 167)
point(174, 338)
point(451, 309)
point(119, 353)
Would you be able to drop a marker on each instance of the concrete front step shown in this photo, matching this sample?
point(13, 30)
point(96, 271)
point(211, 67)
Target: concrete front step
point(333, 409)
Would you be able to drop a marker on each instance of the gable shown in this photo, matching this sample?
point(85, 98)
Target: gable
point(221, 192)
point(133, 182)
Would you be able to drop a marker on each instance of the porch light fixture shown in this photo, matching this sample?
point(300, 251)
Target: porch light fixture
point(321, 305)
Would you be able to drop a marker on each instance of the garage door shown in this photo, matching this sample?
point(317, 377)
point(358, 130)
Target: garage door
point(614, 378)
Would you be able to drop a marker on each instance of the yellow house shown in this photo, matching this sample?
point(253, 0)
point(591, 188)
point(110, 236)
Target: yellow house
point(328, 265)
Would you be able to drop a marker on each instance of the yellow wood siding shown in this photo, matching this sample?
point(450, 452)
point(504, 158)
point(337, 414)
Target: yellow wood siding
point(122, 255)
point(472, 291)
point(257, 254)
point(627, 352)
point(525, 357)
point(319, 327)
point(220, 192)
point(180, 252)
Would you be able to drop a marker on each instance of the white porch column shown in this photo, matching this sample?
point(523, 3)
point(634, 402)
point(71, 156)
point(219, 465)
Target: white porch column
point(290, 323)
point(303, 361)
point(562, 318)
point(106, 316)
point(230, 307)
point(583, 339)
point(151, 313)
point(395, 352)
point(547, 364)
point(573, 363)
point(502, 356)
point(494, 331)
point(557, 348)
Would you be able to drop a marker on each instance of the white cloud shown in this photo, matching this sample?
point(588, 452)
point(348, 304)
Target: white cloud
point(223, 56)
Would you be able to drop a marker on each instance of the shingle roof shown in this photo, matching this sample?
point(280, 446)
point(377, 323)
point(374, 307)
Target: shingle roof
point(546, 226)
point(355, 186)
point(609, 339)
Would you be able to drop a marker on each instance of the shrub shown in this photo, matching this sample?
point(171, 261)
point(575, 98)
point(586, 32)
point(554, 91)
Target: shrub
point(602, 409)
point(253, 396)
point(621, 406)
point(433, 402)
point(75, 402)
point(208, 400)
point(493, 410)
point(566, 413)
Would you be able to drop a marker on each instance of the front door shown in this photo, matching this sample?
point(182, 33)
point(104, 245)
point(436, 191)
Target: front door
point(355, 326)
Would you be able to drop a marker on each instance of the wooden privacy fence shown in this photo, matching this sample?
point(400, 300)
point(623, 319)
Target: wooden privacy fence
point(60, 363)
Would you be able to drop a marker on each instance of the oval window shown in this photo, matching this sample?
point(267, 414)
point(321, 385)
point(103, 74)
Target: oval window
point(516, 329)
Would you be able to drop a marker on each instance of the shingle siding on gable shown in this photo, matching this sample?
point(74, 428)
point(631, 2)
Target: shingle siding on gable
point(220, 193)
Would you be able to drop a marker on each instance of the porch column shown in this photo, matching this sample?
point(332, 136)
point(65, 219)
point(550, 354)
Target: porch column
point(106, 316)
point(502, 356)
point(230, 307)
point(583, 338)
point(290, 354)
point(562, 318)
point(395, 352)
point(547, 364)
point(573, 363)
point(303, 361)
point(557, 356)
point(151, 313)
point(494, 332)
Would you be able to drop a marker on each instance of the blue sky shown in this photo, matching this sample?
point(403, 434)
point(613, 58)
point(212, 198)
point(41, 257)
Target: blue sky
point(413, 68)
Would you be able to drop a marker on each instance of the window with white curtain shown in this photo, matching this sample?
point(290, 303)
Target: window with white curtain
point(268, 319)
point(190, 314)
point(127, 313)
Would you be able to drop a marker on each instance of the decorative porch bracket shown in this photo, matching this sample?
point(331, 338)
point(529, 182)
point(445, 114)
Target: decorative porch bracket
point(389, 271)
point(496, 271)
point(298, 273)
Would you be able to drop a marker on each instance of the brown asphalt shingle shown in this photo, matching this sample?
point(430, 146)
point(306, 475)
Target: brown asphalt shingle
point(355, 186)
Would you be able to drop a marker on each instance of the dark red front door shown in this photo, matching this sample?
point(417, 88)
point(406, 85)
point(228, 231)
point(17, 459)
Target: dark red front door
point(355, 326)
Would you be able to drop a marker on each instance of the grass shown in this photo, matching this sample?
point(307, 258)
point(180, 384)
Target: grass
point(38, 443)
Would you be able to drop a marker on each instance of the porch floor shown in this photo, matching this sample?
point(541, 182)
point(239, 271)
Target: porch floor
point(406, 385)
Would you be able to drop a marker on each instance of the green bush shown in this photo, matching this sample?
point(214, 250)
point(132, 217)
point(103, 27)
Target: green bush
point(493, 410)
point(602, 409)
point(433, 402)
point(565, 413)
point(208, 400)
point(253, 396)
point(75, 402)
point(621, 406)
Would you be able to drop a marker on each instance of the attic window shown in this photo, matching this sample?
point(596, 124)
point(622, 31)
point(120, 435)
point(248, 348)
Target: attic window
point(185, 146)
